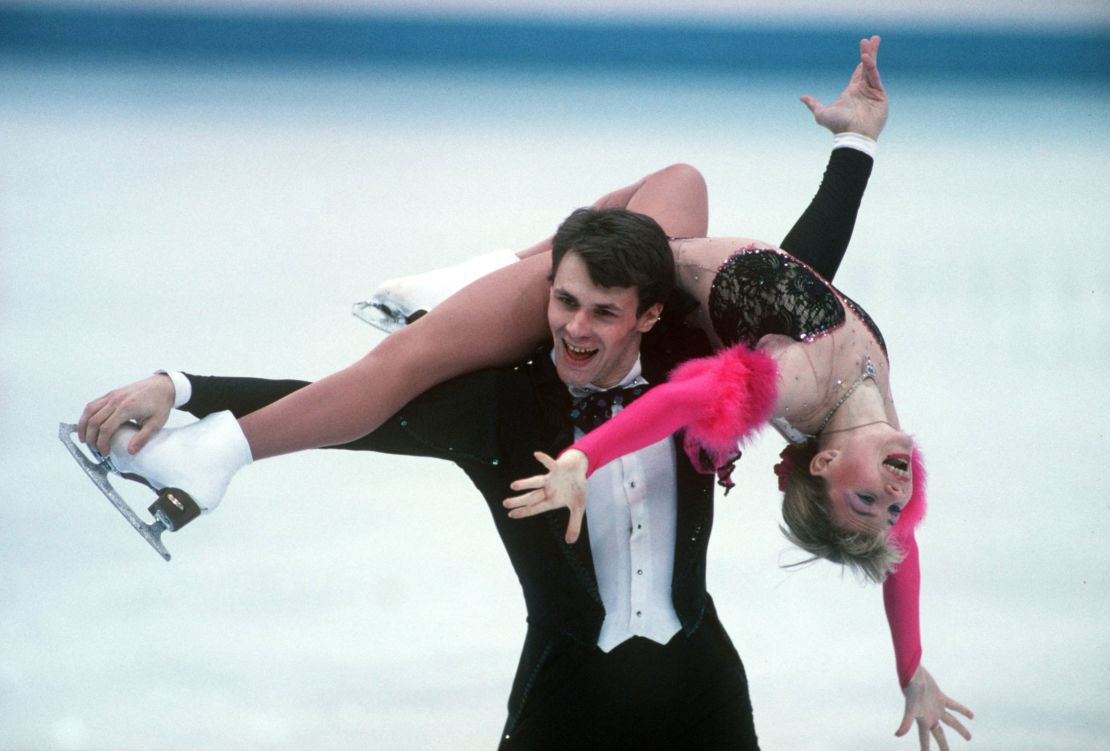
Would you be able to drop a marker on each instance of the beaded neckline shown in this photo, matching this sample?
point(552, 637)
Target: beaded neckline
point(869, 372)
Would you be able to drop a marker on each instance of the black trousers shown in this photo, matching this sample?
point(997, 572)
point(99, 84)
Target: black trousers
point(691, 693)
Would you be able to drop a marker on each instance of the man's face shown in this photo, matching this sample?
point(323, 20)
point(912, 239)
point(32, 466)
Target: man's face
point(595, 329)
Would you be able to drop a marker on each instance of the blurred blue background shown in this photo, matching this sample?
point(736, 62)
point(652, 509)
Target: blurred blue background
point(208, 186)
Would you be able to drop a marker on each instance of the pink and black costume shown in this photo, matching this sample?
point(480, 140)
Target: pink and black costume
point(724, 399)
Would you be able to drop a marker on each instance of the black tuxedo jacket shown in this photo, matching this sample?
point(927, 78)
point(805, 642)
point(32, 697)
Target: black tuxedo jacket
point(489, 423)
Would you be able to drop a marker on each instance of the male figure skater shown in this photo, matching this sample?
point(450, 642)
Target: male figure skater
point(623, 646)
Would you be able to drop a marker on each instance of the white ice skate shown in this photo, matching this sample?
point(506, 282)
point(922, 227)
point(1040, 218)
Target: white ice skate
point(398, 302)
point(189, 468)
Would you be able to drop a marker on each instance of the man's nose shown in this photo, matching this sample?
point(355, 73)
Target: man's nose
point(579, 325)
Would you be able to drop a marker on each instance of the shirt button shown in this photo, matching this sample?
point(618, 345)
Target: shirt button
point(638, 613)
point(639, 572)
point(632, 484)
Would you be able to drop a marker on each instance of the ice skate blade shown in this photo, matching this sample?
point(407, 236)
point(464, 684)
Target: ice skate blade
point(384, 316)
point(98, 473)
point(380, 315)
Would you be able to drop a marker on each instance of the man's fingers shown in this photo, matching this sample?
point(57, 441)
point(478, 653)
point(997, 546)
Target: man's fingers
point(86, 414)
point(812, 103)
point(149, 429)
point(106, 430)
point(923, 736)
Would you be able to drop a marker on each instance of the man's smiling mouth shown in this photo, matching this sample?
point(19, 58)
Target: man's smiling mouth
point(578, 355)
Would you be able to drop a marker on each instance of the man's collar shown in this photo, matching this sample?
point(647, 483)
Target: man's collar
point(634, 377)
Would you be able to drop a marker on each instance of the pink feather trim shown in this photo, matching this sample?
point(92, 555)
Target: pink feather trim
point(742, 387)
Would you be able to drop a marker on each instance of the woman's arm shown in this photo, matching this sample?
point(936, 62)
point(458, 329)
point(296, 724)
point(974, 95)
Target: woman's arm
point(857, 117)
point(900, 598)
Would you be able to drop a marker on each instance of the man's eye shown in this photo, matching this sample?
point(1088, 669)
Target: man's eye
point(869, 500)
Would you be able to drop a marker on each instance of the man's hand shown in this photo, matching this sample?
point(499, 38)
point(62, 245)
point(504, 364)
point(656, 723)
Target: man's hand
point(563, 485)
point(147, 402)
point(862, 107)
point(927, 704)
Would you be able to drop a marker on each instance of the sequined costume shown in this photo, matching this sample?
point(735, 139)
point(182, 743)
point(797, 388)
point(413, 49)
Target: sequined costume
point(759, 291)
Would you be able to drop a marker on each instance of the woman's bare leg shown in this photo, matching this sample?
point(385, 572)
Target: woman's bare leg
point(675, 197)
point(497, 320)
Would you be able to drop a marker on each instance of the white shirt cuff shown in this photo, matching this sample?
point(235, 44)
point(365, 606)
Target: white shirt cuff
point(857, 141)
point(182, 389)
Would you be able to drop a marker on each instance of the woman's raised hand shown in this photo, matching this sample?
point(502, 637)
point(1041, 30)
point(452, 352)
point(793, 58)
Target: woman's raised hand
point(862, 107)
point(563, 485)
point(929, 706)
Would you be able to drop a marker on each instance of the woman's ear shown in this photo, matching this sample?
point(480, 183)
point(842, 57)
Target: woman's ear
point(820, 462)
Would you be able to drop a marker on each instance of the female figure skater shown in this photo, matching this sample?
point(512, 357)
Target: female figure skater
point(468, 331)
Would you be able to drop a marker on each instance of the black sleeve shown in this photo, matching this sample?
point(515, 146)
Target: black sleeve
point(445, 422)
point(820, 237)
point(240, 395)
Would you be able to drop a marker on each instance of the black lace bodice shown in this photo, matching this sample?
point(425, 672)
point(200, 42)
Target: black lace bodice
point(758, 291)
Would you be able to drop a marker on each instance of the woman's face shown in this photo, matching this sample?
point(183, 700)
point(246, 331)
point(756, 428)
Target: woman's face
point(867, 472)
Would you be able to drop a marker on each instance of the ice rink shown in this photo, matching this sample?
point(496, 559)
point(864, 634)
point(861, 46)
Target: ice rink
point(221, 220)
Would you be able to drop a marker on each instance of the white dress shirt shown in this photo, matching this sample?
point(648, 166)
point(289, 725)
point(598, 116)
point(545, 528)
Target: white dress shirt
point(631, 511)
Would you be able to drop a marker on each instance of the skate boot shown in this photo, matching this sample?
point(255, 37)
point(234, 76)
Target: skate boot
point(190, 469)
point(399, 302)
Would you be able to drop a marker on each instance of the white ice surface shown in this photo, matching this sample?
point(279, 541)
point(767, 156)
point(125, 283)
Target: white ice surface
point(223, 221)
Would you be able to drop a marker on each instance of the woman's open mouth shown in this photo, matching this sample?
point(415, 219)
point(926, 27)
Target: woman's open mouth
point(899, 466)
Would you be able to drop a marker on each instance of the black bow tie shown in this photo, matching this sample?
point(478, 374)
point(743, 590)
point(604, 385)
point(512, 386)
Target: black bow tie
point(589, 411)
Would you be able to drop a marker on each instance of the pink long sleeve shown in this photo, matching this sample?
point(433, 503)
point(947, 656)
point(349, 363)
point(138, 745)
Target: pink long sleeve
point(720, 400)
point(901, 599)
point(651, 418)
point(901, 590)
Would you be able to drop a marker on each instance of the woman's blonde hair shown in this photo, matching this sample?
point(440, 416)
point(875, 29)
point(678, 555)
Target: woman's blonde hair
point(805, 510)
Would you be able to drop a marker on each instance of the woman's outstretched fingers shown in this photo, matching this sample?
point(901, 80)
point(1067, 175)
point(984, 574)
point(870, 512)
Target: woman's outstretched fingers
point(957, 707)
point(574, 526)
point(563, 485)
point(950, 720)
point(938, 733)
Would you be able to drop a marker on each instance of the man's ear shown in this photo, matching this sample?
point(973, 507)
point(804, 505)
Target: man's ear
point(649, 318)
point(820, 462)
